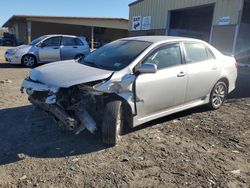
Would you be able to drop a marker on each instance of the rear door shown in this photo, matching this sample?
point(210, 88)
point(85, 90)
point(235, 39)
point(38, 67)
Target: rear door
point(50, 51)
point(70, 47)
point(203, 70)
point(83, 45)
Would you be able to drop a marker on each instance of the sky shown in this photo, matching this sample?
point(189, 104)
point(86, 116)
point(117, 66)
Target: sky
point(91, 8)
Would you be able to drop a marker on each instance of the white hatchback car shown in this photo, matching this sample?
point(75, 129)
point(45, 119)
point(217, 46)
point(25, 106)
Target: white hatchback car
point(48, 48)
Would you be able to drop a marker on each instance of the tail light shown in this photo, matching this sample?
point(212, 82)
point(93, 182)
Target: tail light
point(237, 65)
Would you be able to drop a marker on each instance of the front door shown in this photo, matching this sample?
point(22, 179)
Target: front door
point(164, 89)
point(50, 50)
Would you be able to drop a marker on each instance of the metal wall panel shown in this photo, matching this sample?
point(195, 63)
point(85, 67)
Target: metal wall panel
point(158, 10)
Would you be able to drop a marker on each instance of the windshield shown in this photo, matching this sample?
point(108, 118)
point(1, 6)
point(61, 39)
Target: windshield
point(116, 55)
point(34, 42)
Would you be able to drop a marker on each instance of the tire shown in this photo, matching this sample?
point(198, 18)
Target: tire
point(218, 95)
point(79, 57)
point(29, 61)
point(112, 124)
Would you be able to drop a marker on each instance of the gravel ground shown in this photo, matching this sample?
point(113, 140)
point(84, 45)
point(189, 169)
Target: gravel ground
point(195, 148)
point(2, 51)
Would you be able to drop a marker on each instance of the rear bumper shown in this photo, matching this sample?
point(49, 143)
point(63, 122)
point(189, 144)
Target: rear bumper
point(232, 81)
point(231, 87)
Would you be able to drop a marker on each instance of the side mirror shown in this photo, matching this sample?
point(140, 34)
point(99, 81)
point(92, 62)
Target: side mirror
point(147, 68)
point(40, 45)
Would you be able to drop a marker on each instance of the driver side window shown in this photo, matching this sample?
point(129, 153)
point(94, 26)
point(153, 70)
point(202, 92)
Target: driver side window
point(167, 56)
point(53, 41)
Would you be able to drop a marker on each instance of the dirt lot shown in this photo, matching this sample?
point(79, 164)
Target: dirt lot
point(195, 148)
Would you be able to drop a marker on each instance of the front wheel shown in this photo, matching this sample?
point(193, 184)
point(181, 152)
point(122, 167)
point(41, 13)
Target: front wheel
point(112, 122)
point(218, 95)
point(29, 60)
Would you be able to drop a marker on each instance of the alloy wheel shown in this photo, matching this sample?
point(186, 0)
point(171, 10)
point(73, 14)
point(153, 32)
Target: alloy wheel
point(29, 61)
point(219, 95)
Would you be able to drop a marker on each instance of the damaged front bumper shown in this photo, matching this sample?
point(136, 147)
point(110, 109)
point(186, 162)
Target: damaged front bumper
point(49, 104)
point(31, 86)
point(80, 106)
point(57, 112)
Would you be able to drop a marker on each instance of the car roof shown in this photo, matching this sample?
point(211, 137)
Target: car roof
point(157, 39)
point(60, 35)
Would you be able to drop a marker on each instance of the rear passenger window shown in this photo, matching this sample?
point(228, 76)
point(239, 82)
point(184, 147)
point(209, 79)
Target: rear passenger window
point(167, 56)
point(195, 52)
point(68, 41)
point(79, 42)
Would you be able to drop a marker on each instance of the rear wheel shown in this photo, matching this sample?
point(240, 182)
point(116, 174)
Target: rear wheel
point(29, 60)
point(112, 122)
point(218, 95)
point(79, 57)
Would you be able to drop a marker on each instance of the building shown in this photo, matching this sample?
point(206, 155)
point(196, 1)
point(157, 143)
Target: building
point(2, 31)
point(27, 28)
point(223, 23)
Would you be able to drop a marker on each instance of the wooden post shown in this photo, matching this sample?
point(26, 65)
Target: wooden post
point(29, 31)
point(92, 37)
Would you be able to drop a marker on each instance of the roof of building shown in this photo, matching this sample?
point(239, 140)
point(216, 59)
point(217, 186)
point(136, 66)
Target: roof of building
point(135, 2)
point(116, 23)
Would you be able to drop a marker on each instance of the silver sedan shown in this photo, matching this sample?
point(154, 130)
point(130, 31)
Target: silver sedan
point(48, 48)
point(132, 81)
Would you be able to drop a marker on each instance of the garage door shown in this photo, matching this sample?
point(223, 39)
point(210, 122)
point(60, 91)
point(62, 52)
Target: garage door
point(192, 22)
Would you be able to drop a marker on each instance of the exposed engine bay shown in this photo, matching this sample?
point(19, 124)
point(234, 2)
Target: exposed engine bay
point(72, 107)
point(78, 107)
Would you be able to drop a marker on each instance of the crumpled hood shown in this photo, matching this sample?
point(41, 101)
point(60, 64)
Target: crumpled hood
point(64, 74)
point(22, 48)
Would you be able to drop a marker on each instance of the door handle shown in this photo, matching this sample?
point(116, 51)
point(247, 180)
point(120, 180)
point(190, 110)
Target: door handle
point(56, 48)
point(181, 74)
point(75, 47)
